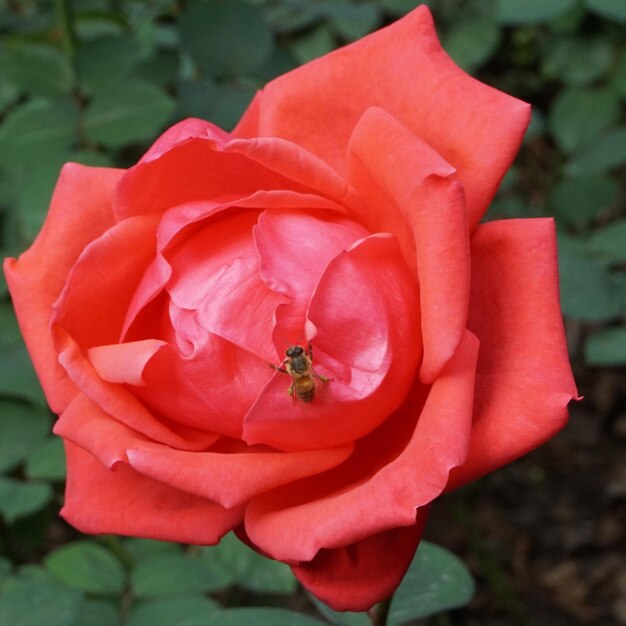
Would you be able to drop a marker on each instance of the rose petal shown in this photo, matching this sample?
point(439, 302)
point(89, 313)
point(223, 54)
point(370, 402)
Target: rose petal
point(392, 167)
point(93, 303)
point(403, 69)
point(401, 466)
point(121, 501)
point(124, 362)
point(294, 248)
point(79, 212)
point(356, 577)
point(524, 380)
point(366, 309)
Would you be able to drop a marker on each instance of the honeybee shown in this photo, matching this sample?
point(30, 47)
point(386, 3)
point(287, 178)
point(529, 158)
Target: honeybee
point(299, 365)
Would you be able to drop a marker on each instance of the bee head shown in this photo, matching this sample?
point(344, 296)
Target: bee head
point(294, 351)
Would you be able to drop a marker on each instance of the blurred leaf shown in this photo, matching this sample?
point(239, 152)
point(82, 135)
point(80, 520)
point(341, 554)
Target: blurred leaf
point(142, 549)
point(171, 611)
point(37, 603)
point(160, 69)
point(351, 21)
point(18, 375)
point(436, 581)
point(87, 566)
point(606, 153)
point(5, 569)
point(611, 9)
point(293, 15)
point(36, 131)
point(618, 80)
point(472, 42)
point(22, 428)
point(127, 113)
point(95, 612)
point(171, 574)
point(610, 241)
point(18, 498)
point(340, 618)
point(398, 8)
point(47, 460)
point(221, 104)
point(313, 44)
point(579, 201)
point(102, 61)
point(537, 126)
point(281, 62)
point(578, 61)
point(586, 288)
point(606, 347)
point(9, 91)
point(578, 116)
point(207, 33)
point(242, 565)
point(516, 13)
point(259, 616)
point(94, 159)
point(38, 70)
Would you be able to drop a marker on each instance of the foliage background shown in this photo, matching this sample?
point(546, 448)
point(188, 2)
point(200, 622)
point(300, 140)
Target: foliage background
point(95, 81)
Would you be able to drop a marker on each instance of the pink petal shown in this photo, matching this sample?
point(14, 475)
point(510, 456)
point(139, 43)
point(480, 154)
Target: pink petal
point(121, 501)
point(366, 313)
point(524, 380)
point(403, 69)
point(401, 466)
point(355, 577)
point(79, 212)
point(425, 208)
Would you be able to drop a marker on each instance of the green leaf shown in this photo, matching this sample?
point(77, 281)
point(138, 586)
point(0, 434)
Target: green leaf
point(609, 242)
point(18, 375)
point(516, 13)
point(578, 116)
point(37, 603)
point(604, 154)
point(351, 21)
point(586, 287)
point(87, 566)
point(313, 44)
point(221, 104)
point(436, 581)
point(259, 616)
point(127, 113)
point(606, 347)
point(47, 460)
point(22, 428)
point(171, 611)
point(611, 9)
point(40, 130)
point(160, 69)
point(5, 569)
point(226, 38)
point(579, 201)
point(19, 499)
point(105, 60)
point(340, 618)
point(240, 564)
point(472, 42)
point(618, 80)
point(142, 549)
point(577, 61)
point(38, 70)
point(96, 612)
point(171, 574)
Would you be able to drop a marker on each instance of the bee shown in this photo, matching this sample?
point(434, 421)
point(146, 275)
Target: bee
point(299, 365)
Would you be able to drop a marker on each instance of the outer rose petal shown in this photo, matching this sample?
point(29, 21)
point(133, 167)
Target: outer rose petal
point(524, 380)
point(403, 69)
point(121, 501)
point(80, 211)
point(358, 576)
point(394, 168)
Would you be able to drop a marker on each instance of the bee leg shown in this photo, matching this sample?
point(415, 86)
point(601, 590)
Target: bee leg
point(278, 369)
point(309, 351)
point(291, 391)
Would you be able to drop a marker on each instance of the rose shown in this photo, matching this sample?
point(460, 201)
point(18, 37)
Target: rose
point(343, 213)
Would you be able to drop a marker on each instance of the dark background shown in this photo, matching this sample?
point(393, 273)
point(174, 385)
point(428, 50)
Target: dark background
point(96, 81)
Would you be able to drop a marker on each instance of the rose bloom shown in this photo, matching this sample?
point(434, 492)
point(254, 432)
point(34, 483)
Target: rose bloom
point(341, 213)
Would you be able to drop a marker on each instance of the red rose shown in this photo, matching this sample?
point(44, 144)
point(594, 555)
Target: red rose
point(343, 213)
